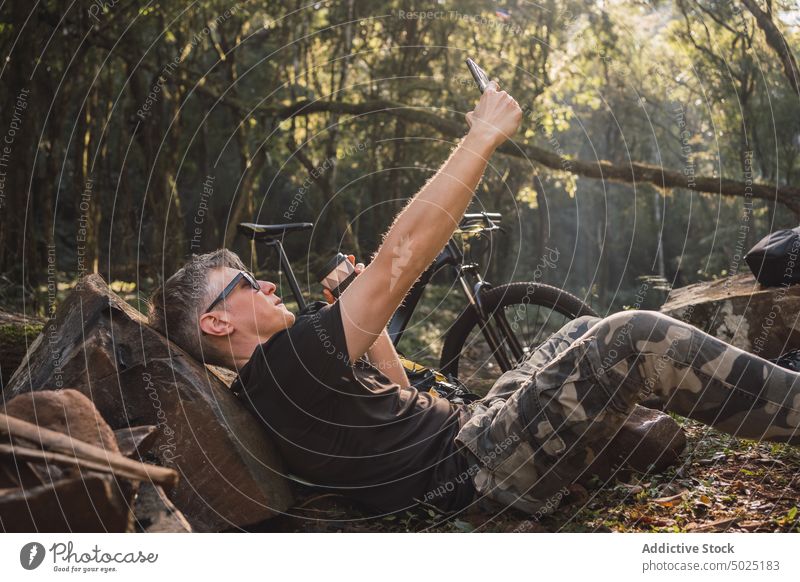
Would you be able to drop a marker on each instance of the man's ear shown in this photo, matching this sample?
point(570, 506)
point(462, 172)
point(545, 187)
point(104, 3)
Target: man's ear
point(216, 323)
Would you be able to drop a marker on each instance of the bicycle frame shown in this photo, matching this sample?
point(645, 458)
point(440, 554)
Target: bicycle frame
point(286, 267)
point(497, 334)
point(496, 338)
point(450, 256)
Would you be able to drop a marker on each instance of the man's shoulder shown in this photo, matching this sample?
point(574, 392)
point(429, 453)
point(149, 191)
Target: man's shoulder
point(303, 356)
point(313, 307)
point(312, 314)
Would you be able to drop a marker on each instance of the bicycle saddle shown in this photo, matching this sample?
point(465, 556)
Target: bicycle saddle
point(267, 231)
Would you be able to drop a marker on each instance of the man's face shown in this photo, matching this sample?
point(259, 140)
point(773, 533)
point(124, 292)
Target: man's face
point(258, 312)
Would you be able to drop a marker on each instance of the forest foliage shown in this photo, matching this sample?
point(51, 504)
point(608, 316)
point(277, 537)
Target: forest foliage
point(661, 139)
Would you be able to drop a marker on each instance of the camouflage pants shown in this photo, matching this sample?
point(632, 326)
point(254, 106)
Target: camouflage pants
point(543, 422)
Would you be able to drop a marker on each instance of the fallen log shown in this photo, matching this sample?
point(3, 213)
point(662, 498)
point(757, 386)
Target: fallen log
point(65, 411)
point(59, 490)
point(77, 453)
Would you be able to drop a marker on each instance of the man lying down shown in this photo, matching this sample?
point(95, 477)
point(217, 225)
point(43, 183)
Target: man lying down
point(328, 386)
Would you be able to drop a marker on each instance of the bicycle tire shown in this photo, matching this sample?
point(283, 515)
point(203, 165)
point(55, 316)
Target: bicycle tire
point(502, 296)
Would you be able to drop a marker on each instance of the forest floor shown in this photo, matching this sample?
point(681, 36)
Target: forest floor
point(721, 484)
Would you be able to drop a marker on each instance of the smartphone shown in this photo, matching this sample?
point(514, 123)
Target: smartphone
point(480, 76)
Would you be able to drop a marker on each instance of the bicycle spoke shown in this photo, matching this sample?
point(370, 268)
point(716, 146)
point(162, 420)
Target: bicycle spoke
point(529, 323)
point(510, 339)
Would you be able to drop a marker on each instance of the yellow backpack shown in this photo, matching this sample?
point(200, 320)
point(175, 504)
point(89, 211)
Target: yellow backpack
point(434, 382)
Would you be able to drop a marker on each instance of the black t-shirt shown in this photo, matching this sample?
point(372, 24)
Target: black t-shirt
point(350, 428)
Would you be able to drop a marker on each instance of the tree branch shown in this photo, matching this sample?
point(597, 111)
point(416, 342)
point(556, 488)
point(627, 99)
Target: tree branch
point(632, 173)
point(776, 40)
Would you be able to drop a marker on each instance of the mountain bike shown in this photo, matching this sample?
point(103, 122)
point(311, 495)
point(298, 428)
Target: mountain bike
point(498, 326)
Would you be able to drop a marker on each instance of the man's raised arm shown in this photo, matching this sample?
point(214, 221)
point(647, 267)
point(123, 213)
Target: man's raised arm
point(425, 225)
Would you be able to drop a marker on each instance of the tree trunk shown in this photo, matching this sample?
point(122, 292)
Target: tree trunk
point(777, 43)
point(17, 206)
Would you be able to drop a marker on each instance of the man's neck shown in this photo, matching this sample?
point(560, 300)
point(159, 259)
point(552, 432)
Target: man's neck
point(242, 344)
point(244, 347)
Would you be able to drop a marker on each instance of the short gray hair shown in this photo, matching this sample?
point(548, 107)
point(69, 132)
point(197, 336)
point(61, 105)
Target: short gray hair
point(176, 306)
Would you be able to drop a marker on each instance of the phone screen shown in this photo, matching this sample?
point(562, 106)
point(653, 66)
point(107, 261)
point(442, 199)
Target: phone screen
point(480, 76)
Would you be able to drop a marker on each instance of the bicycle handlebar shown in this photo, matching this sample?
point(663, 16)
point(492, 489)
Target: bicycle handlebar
point(486, 215)
point(475, 223)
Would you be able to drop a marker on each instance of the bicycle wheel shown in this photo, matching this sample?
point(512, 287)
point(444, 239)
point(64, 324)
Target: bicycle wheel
point(533, 311)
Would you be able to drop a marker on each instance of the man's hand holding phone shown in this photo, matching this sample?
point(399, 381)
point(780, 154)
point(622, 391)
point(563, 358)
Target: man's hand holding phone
point(496, 117)
point(357, 267)
point(425, 225)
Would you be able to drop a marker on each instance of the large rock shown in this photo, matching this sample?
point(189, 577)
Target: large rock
point(230, 474)
point(136, 441)
point(762, 320)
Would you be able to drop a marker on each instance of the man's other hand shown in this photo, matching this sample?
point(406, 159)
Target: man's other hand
point(496, 117)
point(358, 267)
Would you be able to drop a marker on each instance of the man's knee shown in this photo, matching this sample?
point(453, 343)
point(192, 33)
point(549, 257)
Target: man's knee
point(586, 321)
point(630, 326)
point(580, 325)
point(622, 318)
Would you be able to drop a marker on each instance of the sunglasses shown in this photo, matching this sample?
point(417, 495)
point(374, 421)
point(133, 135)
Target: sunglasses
point(232, 285)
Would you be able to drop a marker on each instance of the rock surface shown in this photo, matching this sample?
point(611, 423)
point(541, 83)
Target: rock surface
point(155, 513)
point(761, 320)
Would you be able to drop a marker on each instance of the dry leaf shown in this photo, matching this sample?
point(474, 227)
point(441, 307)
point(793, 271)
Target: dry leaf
point(670, 501)
point(704, 500)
